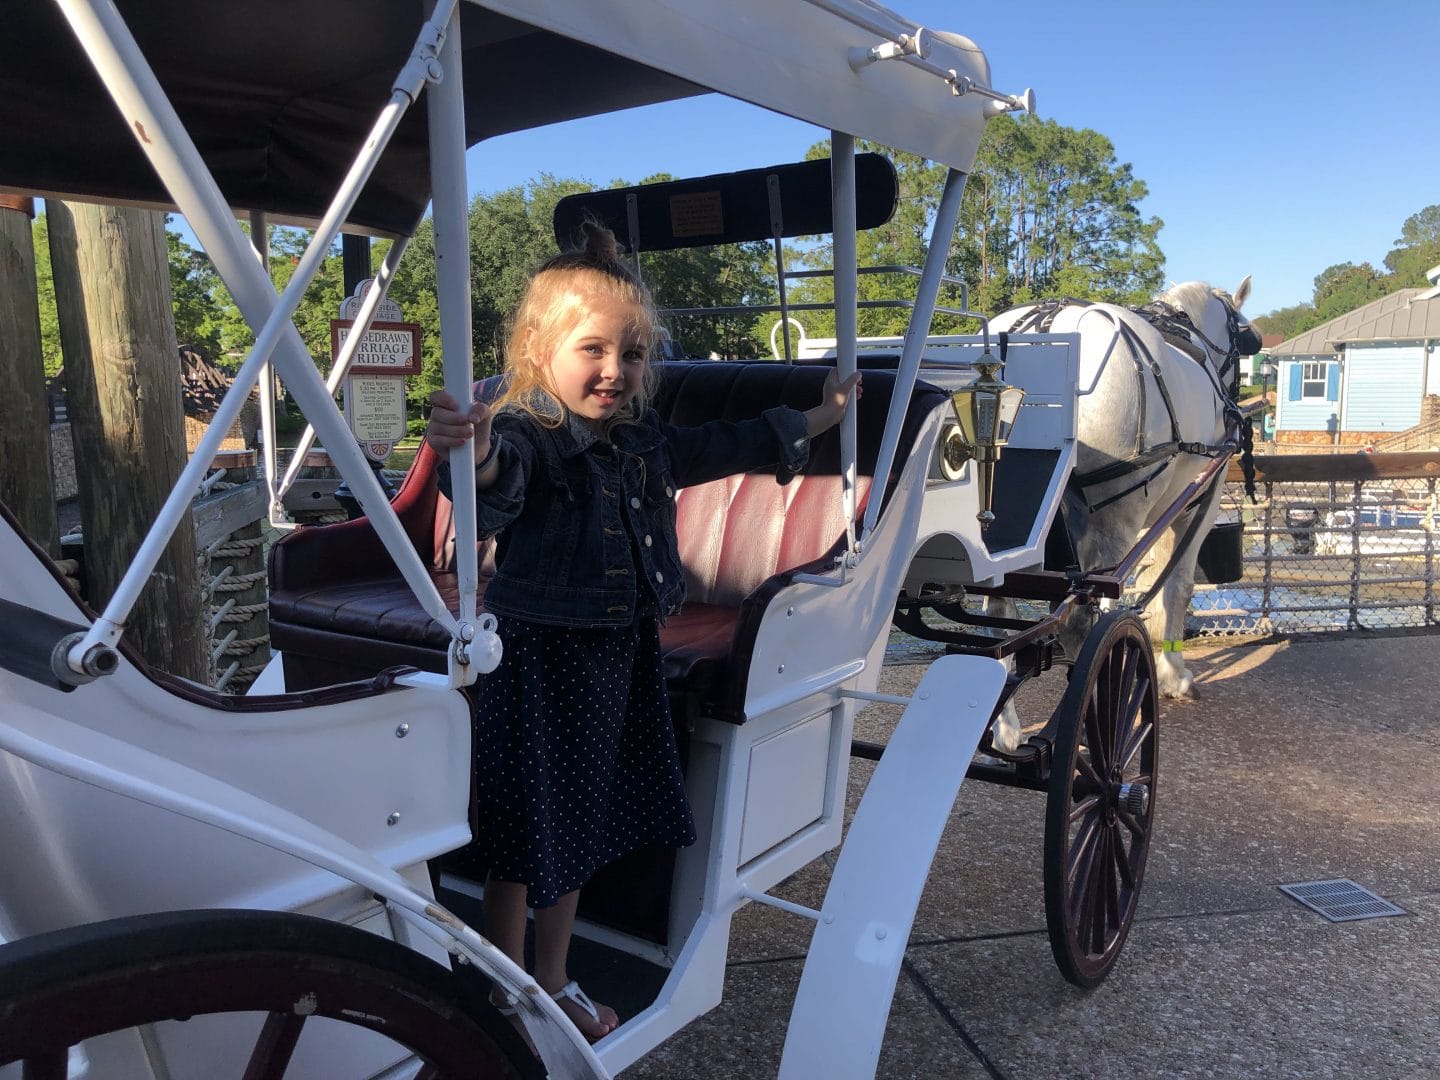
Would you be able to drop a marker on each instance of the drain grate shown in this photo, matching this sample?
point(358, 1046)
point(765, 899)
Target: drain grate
point(1341, 900)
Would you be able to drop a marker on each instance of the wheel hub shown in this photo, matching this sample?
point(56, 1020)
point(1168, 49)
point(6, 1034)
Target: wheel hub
point(1134, 799)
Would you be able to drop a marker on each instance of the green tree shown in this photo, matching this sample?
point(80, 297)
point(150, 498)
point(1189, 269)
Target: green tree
point(45, 288)
point(1288, 321)
point(1047, 211)
point(1417, 250)
point(1345, 286)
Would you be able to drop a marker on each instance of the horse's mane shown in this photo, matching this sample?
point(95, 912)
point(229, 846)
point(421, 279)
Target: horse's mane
point(1192, 298)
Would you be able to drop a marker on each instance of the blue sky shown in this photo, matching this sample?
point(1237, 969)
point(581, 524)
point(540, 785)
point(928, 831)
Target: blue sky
point(1276, 138)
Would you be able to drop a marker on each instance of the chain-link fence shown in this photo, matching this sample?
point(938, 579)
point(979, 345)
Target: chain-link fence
point(1356, 550)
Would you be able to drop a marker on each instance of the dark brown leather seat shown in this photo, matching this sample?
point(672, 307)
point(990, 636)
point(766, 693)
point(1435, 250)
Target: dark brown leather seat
point(339, 609)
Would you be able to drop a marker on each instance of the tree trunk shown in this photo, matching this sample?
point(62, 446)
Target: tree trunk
point(27, 482)
point(117, 329)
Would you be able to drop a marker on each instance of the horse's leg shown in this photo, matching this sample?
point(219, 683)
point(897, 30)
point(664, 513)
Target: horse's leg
point(1005, 731)
point(1166, 618)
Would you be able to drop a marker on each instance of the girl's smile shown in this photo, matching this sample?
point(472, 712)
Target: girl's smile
point(597, 369)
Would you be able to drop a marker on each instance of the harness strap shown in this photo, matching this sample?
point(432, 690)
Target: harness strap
point(1133, 487)
point(1181, 545)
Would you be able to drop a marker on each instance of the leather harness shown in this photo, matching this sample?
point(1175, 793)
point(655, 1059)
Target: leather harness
point(1177, 330)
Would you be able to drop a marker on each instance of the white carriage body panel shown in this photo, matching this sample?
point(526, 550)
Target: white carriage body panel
point(91, 854)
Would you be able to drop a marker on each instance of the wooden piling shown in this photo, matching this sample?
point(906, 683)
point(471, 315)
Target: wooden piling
point(27, 483)
point(117, 330)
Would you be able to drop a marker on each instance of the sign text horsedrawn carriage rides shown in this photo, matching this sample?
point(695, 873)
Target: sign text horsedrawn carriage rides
point(195, 879)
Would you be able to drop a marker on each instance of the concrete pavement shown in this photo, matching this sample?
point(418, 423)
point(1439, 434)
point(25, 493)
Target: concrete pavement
point(1302, 761)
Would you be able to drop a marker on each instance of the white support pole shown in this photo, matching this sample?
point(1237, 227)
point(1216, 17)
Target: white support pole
point(859, 942)
point(931, 278)
point(445, 106)
point(130, 81)
point(383, 280)
point(260, 241)
point(842, 204)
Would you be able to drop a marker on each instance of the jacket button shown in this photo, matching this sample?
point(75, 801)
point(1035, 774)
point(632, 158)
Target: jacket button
point(635, 503)
point(649, 542)
point(669, 492)
point(659, 577)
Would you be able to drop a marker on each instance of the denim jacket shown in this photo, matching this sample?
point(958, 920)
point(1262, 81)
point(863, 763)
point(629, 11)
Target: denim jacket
point(586, 530)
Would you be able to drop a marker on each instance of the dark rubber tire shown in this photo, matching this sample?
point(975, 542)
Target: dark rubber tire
point(1095, 848)
point(61, 988)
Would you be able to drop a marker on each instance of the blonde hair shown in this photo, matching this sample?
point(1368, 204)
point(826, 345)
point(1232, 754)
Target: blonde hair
point(560, 294)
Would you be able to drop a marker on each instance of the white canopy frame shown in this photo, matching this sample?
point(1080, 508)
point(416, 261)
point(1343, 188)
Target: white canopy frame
point(136, 91)
point(366, 315)
point(942, 234)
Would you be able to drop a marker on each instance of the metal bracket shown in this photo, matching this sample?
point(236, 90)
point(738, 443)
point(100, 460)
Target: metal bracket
point(916, 44)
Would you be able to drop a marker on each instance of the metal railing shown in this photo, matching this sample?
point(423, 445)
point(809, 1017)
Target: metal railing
point(1335, 542)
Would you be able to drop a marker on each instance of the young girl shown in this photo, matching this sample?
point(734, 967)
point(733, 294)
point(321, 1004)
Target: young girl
point(576, 757)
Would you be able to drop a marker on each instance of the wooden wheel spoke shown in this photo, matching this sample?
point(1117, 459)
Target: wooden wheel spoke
point(1122, 858)
point(274, 1048)
point(1094, 736)
point(1123, 696)
point(1086, 769)
point(1101, 886)
point(1111, 881)
point(1082, 858)
point(1135, 743)
point(1135, 825)
point(1085, 806)
point(1134, 707)
point(1106, 720)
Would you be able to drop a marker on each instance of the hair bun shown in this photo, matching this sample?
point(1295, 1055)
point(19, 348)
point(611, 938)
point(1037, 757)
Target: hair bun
point(599, 241)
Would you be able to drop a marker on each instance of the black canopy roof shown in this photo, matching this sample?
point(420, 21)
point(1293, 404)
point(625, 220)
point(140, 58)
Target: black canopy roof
point(278, 96)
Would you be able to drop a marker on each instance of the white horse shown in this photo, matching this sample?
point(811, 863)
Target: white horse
point(1156, 385)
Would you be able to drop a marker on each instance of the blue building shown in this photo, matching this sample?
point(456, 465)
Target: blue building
point(1363, 377)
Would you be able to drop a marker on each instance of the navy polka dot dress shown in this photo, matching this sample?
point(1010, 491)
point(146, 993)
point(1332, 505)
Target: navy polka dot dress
point(576, 756)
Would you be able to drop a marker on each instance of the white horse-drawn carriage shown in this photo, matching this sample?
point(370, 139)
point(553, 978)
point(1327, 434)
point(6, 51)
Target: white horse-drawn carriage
point(193, 879)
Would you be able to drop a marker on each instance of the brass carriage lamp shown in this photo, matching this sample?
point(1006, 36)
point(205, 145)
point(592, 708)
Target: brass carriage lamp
point(986, 410)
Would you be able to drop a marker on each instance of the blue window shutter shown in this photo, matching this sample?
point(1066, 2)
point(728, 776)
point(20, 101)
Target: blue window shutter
point(1332, 382)
point(1295, 373)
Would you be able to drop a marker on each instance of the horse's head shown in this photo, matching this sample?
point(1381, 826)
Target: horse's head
point(1215, 317)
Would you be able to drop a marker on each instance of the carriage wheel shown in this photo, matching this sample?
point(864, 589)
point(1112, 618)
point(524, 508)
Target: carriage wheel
point(59, 989)
point(1101, 806)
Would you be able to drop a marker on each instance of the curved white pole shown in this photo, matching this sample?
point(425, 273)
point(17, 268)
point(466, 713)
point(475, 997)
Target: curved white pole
point(842, 201)
point(931, 278)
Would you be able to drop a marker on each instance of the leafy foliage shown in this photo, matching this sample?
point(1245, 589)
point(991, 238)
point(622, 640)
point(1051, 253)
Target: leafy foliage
point(1047, 211)
point(1343, 287)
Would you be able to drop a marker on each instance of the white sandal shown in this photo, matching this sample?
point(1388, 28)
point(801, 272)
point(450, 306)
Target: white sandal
point(572, 991)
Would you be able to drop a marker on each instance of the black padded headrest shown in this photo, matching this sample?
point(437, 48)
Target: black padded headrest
point(694, 392)
point(731, 208)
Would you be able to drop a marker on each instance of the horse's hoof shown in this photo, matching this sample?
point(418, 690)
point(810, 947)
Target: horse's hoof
point(1183, 691)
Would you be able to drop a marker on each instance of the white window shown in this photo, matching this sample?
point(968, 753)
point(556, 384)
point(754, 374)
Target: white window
point(1313, 377)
